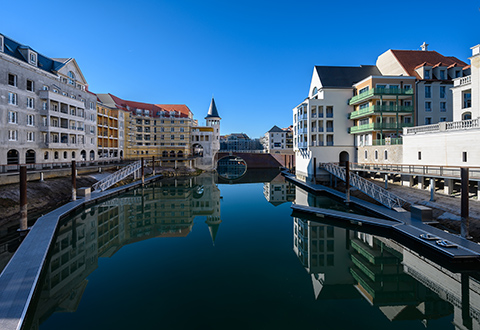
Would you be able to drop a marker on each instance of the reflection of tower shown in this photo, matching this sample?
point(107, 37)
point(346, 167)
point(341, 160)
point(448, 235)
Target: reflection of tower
point(213, 223)
point(213, 120)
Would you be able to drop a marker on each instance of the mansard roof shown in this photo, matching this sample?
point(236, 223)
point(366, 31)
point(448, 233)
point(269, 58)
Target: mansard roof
point(344, 76)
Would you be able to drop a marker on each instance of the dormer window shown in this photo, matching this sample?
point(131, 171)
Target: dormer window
point(32, 58)
point(71, 78)
point(427, 74)
point(442, 74)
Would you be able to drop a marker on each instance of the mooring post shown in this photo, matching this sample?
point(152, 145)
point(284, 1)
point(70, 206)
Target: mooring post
point(386, 181)
point(347, 181)
point(466, 318)
point(464, 202)
point(143, 172)
point(23, 200)
point(41, 177)
point(432, 189)
point(74, 180)
point(153, 165)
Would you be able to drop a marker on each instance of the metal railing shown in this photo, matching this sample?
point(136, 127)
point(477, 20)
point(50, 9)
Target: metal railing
point(371, 189)
point(380, 108)
point(380, 91)
point(423, 170)
point(110, 180)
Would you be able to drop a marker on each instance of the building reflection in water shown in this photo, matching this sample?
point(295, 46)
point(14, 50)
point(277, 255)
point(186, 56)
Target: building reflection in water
point(164, 209)
point(279, 191)
point(399, 281)
point(231, 167)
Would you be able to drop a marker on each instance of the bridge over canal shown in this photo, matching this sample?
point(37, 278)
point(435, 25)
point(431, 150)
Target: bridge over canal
point(259, 160)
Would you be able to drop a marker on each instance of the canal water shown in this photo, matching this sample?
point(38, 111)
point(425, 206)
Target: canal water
point(196, 254)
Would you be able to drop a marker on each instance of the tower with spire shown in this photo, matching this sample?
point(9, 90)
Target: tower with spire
point(213, 120)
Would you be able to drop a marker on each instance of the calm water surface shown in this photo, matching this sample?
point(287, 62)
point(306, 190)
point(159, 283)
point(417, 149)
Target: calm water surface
point(194, 254)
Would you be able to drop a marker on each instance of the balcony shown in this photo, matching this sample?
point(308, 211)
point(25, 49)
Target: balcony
point(380, 108)
point(378, 126)
point(377, 92)
point(387, 141)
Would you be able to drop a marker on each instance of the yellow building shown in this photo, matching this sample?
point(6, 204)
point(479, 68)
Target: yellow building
point(110, 132)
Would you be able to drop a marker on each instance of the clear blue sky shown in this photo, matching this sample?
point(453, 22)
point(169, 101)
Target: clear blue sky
point(255, 57)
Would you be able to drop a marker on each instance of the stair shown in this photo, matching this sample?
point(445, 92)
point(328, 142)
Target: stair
point(379, 194)
point(110, 180)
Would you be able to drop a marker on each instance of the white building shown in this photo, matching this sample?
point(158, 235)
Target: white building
point(47, 113)
point(451, 143)
point(277, 140)
point(320, 122)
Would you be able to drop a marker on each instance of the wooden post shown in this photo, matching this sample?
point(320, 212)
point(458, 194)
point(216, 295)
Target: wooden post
point(432, 189)
point(347, 181)
point(464, 202)
point(153, 165)
point(74, 181)
point(23, 199)
point(143, 172)
point(386, 181)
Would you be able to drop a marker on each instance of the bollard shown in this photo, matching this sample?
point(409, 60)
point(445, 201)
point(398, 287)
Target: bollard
point(432, 189)
point(347, 181)
point(74, 180)
point(23, 200)
point(41, 177)
point(153, 165)
point(143, 172)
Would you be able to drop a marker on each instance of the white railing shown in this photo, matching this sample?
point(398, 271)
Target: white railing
point(110, 180)
point(369, 188)
point(462, 81)
point(444, 126)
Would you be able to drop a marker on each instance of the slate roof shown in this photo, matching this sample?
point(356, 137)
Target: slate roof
point(275, 129)
point(344, 76)
point(12, 48)
point(411, 59)
point(212, 111)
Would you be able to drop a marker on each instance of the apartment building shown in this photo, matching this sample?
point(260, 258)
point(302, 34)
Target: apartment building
point(320, 123)
point(110, 132)
point(48, 114)
point(279, 140)
point(457, 139)
point(382, 106)
point(434, 75)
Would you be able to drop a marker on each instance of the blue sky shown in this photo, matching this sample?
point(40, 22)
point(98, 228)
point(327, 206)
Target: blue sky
point(255, 57)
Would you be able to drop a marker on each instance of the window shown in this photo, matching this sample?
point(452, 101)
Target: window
point(45, 155)
point(376, 154)
point(182, 137)
point(12, 80)
point(44, 105)
point(443, 106)
point(30, 120)
point(366, 154)
point(71, 78)
point(443, 119)
point(172, 129)
point(1, 43)
point(428, 106)
point(419, 155)
point(464, 156)
point(12, 117)
point(45, 87)
point(172, 137)
point(428, 91)
point(30, 136)
point(428, 120)
point(467, 116)
point(65, 155)
point(386, 155)
point(30, 85)
point(55, 155)
point(33, 58)
point(363, 90)
point(30, 103)
point(442, 92)
point(182, 129)
point(442, 74)
point(12, 135)
point(427, 74)
point(407, 87)
point(467, 100)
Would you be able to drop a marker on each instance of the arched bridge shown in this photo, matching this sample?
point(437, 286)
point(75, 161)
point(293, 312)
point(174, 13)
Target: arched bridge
point(257, 160)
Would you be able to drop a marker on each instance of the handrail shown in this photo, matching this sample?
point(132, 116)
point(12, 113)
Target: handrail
point(369, 188)
point(110, 180)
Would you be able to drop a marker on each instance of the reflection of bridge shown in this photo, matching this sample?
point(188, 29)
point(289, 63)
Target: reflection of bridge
point(255, 160)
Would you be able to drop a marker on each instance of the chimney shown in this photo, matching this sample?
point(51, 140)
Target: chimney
point(424, 46)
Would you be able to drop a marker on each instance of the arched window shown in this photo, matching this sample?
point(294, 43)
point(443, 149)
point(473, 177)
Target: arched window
point(386, 155)
point(83, 155)
point(12, 157)
point(73, 155)
point(366, 154)
point(55, 155)
point(30, 157)
point(466, 116)
point(180, 154)
point(172, 153)
point(65, 155)
point(165, 154)
point(45, 155)
point(92, 155)
point(315, 91)
point(376, 154)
